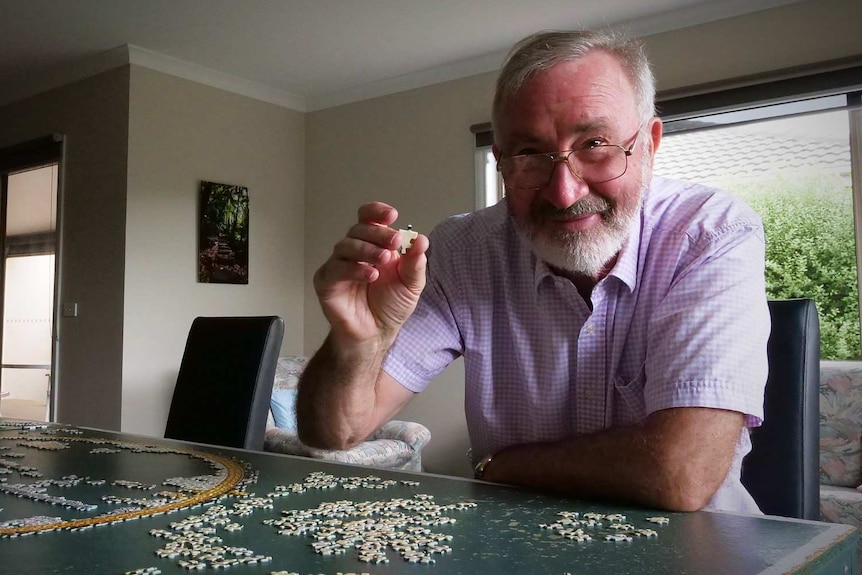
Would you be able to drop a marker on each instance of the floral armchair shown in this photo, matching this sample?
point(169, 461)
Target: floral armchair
point(396, 445)
point(840, 448)
point(840, 434)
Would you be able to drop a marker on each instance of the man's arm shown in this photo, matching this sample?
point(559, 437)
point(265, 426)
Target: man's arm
point(342, 400)
point(675, 460)
point(367, 290)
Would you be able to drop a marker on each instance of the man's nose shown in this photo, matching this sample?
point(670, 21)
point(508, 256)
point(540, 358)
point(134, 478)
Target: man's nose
point(565, 186)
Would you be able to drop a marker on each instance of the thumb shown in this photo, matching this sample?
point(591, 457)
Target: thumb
point(411, 265)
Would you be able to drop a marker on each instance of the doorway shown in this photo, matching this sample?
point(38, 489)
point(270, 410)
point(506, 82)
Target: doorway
point(28, 236)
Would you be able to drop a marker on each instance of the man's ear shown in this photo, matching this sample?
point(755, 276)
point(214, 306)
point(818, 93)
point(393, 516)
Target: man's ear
point(655, 132)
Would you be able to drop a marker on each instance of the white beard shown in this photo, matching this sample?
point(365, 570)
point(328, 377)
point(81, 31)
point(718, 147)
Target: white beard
point(585, 253)
point(582, 253)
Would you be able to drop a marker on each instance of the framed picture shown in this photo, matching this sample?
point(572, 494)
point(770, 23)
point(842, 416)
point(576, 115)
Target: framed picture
point(223, 234)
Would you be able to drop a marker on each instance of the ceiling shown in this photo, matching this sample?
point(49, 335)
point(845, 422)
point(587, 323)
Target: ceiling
point(306, 54)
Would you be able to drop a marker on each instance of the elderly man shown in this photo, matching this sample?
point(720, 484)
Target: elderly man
point(613, 325)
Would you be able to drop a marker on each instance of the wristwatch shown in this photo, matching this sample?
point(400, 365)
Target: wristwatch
point(479, 470)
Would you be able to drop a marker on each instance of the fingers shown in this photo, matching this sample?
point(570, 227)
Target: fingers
point(356, 260)
point(374, 234)
point(371, 244)
point(352, 249)
point(377, 213)
point(335, 270)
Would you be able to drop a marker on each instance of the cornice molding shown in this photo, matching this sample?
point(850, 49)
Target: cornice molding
point(209, 77)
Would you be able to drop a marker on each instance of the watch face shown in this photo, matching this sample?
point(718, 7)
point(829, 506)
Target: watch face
point(479, 470)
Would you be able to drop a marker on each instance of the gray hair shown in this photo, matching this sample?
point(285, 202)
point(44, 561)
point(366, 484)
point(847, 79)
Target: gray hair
point(545, 50)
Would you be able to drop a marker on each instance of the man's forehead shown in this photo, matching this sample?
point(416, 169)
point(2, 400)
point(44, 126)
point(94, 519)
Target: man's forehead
point(526, 131)
point(586, 108)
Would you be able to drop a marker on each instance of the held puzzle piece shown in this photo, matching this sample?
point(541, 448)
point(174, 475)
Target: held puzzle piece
point(407, 237)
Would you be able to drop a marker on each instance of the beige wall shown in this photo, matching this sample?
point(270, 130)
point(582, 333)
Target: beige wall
point(792, 35)
point(414, 150)
point(180, 133)
point(93, 114)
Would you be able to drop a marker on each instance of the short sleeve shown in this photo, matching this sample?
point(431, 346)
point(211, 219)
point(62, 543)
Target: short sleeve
point(428, 341)
point(708, 335)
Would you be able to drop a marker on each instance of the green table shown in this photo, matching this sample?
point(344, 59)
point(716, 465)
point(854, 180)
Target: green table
point(153, 495)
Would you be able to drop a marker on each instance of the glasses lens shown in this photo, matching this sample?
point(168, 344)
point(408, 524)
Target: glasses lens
point(600, 163)
point(526, 172)
point(593, 165)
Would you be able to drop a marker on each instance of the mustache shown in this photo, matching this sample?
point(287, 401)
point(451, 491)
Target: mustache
point(588, 204)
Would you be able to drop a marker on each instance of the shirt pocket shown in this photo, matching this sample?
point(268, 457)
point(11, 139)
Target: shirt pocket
point(629, 402)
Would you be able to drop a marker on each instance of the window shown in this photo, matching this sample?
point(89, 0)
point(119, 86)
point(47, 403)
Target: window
point(489, 187)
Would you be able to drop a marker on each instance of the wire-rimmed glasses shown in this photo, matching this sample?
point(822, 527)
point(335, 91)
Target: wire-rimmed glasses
point(593, 163)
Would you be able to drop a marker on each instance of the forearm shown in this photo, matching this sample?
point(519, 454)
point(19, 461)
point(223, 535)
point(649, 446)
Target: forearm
point(653, 464)
point(337, 400)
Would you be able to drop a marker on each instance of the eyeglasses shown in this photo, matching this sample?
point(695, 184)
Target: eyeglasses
point(594, 164)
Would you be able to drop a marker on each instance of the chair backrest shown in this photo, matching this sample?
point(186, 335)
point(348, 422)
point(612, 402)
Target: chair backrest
point(782, 470)
point(225, 380)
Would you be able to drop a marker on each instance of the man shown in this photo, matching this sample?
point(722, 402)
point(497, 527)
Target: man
point(613, 325)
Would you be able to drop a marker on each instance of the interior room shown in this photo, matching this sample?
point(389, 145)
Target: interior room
point(142, 127)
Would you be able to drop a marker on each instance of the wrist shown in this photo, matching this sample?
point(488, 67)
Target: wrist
point(358, 354)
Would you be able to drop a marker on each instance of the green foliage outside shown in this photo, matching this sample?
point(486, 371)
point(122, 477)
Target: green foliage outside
point(811, 252)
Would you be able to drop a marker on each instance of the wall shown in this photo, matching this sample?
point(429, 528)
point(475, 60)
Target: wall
point(93, 115)
point(414, 150)
point(180, 133)
point(792, 35)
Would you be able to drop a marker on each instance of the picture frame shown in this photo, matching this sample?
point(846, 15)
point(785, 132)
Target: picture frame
point(223, 242)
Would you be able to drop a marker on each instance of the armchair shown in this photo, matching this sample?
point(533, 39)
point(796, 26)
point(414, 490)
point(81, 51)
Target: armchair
point(395, 445)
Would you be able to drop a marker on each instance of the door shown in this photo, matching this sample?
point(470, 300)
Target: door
point(28, 236)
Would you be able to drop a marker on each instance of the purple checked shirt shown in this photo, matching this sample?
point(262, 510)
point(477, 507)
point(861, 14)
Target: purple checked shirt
point(680, 321)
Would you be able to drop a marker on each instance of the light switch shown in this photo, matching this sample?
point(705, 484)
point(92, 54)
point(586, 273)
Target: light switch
point(70, 310)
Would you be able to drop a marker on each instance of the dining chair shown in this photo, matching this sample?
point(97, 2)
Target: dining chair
point(782, 470)
point(225, 380)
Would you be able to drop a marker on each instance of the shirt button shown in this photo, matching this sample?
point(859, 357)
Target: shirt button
point(589, 328)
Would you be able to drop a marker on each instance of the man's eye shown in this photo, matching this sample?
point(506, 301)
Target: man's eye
point(594, 142)
point(526, 151)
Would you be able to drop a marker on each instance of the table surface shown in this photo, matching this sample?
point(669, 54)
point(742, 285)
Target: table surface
point(127, 499)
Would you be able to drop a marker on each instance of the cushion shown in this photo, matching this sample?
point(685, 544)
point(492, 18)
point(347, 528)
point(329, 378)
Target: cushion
point(840, 423)
point(283, 406)
point(841, 505)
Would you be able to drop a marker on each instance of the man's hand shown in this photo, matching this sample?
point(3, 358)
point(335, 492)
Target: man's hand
point(366, 288)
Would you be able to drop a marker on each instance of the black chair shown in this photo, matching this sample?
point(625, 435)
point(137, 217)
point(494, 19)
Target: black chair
point(225, 381)
point(782, 470)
